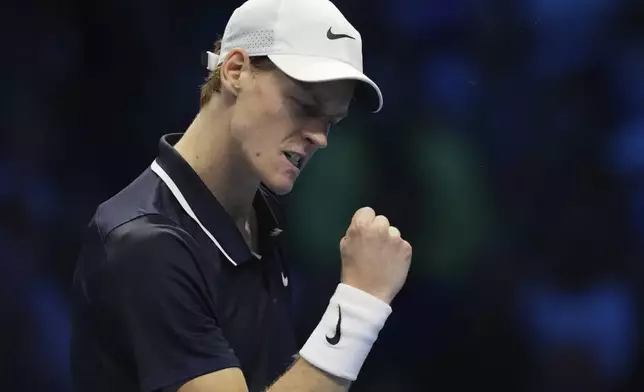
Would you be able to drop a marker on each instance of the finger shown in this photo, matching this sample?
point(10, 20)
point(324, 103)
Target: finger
point(407, 247)
point(343, 242)
point(364, 217)
point(381, 223)
point(394, 232)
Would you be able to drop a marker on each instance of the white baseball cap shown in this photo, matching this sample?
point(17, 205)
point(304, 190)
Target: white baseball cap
point(308, 40)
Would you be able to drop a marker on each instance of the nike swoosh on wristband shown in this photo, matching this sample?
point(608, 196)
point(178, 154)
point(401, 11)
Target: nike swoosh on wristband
point(332, 36)
point(338, 330)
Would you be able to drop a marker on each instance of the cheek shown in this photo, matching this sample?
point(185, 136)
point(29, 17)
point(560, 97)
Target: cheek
point(272, 123)
point(272, 106)
point(261, 123)
point(263, 109)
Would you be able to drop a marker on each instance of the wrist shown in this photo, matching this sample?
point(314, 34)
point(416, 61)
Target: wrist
point(382, 295)
point(342, 340)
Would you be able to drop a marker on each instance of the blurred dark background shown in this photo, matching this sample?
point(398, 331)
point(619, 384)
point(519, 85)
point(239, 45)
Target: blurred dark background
point(510, 152)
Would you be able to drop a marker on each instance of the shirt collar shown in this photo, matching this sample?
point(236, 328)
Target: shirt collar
point(204, 208)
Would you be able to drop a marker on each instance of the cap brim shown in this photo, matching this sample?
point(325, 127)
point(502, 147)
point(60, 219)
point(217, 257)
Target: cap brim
point(318, 69)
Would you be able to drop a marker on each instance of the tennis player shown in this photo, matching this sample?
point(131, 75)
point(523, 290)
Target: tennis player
point(181, 284)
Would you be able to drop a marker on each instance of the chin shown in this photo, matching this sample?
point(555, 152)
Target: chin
point(280, 186)
point(279, 190)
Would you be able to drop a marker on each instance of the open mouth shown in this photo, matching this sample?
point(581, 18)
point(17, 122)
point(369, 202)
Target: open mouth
point(295, 159)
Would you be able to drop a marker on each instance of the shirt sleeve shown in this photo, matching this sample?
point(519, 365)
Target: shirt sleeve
point(153, 291)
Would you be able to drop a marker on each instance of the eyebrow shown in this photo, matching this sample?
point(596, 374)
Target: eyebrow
point(305, 96)
point(301, 93)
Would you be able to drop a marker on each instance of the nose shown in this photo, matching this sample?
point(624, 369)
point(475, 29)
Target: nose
point(317, 135)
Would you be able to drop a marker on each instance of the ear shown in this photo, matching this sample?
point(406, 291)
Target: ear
point(232, 68)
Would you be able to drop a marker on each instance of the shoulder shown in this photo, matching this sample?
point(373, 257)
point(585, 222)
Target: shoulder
point(147, 251)
point(138, 220)
point(149, 233)
point(149, 245)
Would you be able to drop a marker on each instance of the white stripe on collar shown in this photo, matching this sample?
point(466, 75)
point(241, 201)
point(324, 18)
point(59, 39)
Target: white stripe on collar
point(186, 207)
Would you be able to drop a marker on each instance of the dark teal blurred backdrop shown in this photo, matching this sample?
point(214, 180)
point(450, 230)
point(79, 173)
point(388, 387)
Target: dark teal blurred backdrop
point(510, 152)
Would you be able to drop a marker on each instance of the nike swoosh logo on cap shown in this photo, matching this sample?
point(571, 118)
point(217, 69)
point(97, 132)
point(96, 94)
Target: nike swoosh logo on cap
point(332, 36)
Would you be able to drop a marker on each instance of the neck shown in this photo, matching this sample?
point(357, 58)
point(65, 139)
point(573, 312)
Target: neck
point(213, 154)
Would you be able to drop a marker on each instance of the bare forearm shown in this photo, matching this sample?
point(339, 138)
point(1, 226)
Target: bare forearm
point(304, 377)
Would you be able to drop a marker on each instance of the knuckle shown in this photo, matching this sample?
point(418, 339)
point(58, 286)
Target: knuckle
point(363, 217)
point(353, 229)
point(364, 212)
point(381, 221)
point(359, 228)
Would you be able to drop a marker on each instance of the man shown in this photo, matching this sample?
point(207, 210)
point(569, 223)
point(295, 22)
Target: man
point(180, 285)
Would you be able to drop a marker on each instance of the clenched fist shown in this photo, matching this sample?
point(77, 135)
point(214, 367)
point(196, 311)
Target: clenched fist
point(375, 258)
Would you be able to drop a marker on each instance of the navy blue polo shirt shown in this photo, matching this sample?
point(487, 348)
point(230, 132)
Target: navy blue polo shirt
point(166, 289)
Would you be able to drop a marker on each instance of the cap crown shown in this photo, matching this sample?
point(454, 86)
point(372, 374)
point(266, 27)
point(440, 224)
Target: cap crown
point(313, 28)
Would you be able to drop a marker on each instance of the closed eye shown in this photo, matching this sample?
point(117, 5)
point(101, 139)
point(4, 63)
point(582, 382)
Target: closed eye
point(307, 110)
point(313, 110)
point(302, 109)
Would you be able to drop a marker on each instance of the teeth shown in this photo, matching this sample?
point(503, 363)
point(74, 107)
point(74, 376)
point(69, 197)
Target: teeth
point(293, 158)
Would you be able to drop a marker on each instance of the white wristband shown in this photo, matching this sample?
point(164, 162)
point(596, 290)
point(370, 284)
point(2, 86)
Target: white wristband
point(342, 340)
